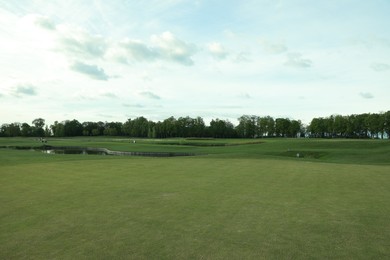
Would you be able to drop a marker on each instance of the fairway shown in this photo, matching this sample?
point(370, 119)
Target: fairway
point(236, 200)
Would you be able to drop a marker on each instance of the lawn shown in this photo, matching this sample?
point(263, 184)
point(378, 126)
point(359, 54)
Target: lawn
point(236, 200)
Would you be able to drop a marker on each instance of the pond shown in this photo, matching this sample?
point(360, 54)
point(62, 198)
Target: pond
point(95, 151)
point(104, 151)
point(73, 151)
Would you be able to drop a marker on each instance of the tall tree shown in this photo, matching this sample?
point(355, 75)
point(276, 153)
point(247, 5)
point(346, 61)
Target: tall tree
point(58, 129)
point(374, 125)
point(26, 130)
point(73, 128)
point(247, 126)
point(340, 126)
point(38, 130)
point(386, 123)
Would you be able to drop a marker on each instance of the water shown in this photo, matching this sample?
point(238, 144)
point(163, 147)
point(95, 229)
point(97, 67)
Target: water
point(94, 151)
point(75, 151)
point(103, 151)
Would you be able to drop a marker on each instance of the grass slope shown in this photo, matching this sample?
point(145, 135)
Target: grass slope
point(238, 202)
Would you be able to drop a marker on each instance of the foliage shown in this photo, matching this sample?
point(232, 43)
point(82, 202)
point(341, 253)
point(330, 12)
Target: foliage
point(352, 126)
point(249, 126)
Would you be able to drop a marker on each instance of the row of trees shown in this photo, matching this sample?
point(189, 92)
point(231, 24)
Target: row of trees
point(255, 127)
point(249, 126)
point(352, 126)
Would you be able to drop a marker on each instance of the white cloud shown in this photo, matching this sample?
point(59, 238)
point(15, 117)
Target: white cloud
point(380, 67)
point(273, 48)
point(164, 47)
point(217, 51)
point(92, 71)
point(149, 95)
point(137, 50)
point(366, 95)
point(228, 33)
point(173, 49)
point(24, 90)
point(108, 95)
point(243, 57)
point(134, 105)
point(77, 43)
point(44, 22)
point(245, 96)
point(296, 60)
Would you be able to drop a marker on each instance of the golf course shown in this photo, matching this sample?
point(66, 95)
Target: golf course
point(271, 198)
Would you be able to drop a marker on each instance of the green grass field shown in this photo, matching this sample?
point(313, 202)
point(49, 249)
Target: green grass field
point(238, 199)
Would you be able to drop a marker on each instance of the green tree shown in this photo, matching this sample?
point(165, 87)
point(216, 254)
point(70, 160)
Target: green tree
point(38, 130)
point(221, 129)
point(73, 128)
point(26, 130)
point(317, 127)
point(48, 132)
point(295, 128)
point(58, 129)
point(375, 125)
point(340, 125)
point(109, 131)
point(138, 127)
point(88, 127)
point(282, 127)
point(386, 123)
point(11, 130)
point(247, 126)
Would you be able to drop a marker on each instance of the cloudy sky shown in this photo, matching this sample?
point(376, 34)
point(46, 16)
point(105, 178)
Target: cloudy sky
point(113, 60)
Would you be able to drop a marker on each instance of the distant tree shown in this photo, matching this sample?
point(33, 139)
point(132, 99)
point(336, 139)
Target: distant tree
point(152, 130)
point(247, 126)
point(317, 127)
point(126, 127)
point(386, 120)
point(295, 128)
point(73, 128)
point(221, 129)
point(88, 127)
point(270, 126)
point(169, 127)
point(183, 125)
point(110, 131)
point(48, 132)
point(11, 130)
point(58, 129)
point(114, 125)
point(261, 126)
point(138, 127)
point(283, 127)
point(340, 126)
point(198, 127)
point(26, 130)
point(365, 125)
point(95, 132)
point(38, 130)
point(375, 125)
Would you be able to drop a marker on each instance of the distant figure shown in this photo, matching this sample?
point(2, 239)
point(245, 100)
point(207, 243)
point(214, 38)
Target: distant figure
point(298, 155)
point(133, 141)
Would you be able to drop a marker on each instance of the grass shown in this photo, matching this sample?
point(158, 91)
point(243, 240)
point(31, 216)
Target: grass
point(245, 201)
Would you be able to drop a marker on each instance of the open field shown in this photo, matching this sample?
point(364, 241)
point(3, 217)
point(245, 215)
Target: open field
point(239, 199)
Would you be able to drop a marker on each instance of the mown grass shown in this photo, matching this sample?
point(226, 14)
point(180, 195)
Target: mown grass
point(352, 151)
point(238, 202)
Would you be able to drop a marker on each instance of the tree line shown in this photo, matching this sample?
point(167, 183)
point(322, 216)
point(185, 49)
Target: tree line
point(353, 126)
point(368, 125)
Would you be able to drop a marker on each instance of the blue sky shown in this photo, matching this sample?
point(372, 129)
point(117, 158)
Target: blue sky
point(114, 60)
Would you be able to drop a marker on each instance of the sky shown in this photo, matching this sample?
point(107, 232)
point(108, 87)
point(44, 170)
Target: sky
point(119, 59)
